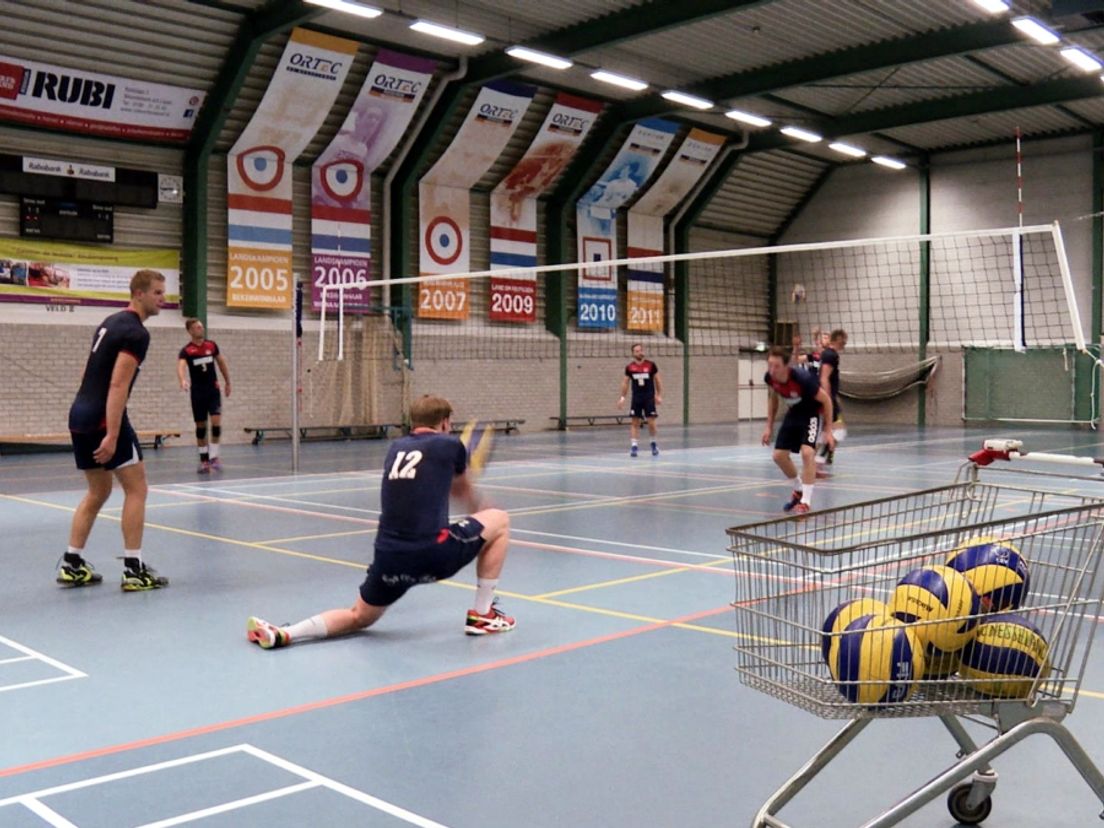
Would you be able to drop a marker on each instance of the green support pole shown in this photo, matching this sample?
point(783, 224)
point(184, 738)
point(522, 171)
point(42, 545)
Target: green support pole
point(1085, 378)
point(925, 283)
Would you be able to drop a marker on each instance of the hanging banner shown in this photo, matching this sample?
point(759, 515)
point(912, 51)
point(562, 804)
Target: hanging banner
point(444, 195)
point(57, 273)
point(341, 193)
point(303, 88)
point(596, 214)
point(51, 97)
point(514, 205)
point(644, 306)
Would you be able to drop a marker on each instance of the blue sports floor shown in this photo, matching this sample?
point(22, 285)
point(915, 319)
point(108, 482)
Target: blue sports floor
point(613, 704)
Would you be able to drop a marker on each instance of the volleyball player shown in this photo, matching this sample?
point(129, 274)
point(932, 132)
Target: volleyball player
point(195, 369)
point(647, 393)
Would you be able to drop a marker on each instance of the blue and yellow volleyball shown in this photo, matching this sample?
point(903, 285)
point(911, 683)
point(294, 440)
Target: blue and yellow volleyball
point(944, 603)
point(844, 614)
point(939, 664)
point(876, 660)
point(997, 570)
point(1006, 657)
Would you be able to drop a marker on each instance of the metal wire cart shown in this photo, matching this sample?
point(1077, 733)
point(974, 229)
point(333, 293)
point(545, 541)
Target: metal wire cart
point(828, 618)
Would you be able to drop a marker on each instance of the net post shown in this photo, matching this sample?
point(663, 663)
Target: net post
point(925, 285)
point(341, 323)
point(297, 385)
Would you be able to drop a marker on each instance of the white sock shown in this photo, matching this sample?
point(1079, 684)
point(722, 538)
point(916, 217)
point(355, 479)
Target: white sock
point(807, 493)
point(313, 627)
point(484, 594)
point(636, 442)
point(796, 484)
point(213, 450)
point(73, 550)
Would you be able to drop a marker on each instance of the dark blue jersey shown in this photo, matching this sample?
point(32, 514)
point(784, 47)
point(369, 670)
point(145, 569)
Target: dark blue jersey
point(417, 478)
point(122, 332)
point(799, 391)
point(201, 366)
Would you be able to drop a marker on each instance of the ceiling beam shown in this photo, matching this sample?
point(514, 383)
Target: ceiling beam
point(984, 102)
point(608, 30)
point(972, 37)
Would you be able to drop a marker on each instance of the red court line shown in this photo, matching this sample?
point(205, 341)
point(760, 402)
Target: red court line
point(204, 730)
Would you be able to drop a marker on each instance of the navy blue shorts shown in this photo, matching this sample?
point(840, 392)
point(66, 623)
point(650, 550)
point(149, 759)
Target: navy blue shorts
point(643, 409)
point(206, 403)
point(799, 428)
point(393, 573)
point(127, 450)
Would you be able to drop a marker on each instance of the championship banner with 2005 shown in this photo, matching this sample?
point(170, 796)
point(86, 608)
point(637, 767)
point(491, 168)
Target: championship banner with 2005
point(258, 180)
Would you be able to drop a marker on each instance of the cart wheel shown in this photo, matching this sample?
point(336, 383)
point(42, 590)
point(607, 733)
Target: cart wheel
point(956, 804)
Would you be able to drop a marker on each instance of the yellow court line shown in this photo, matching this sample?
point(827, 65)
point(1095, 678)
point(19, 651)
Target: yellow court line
point(323, 536)
point(632, 579)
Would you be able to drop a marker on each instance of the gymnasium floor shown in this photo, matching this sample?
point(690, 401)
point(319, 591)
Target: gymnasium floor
point(614, 703)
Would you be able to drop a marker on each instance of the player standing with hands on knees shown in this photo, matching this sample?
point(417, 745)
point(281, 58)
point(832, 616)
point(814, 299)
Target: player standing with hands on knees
point(104, 442)
point(195, 368)
point(647, 393)
point(800, 391)
point(415, 543)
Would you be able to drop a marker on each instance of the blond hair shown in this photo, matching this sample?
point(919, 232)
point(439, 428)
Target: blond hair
point(144, 279)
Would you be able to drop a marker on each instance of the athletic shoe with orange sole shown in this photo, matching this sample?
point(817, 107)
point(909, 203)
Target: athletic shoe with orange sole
point(495, 621)
point(265, 635)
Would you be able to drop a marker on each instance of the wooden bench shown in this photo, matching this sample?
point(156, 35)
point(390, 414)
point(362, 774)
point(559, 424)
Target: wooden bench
point(505, 426)
point(563, 423)
point(371, 431)
point(61, 440)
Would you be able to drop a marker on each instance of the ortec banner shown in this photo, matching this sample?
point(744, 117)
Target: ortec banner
point(444, 195)
point(645, 309)
point(514, 205)
point(341, 193)
point(52, 97)
point(596, 214)
point(258, 181)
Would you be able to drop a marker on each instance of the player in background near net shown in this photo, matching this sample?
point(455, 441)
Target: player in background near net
point(800, 391)
point(647, 393)
point(104, 442)
point(195, 368)
point(415, 543)
point(829, 381)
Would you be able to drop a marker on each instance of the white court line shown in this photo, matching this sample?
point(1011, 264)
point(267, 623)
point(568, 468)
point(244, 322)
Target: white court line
point(17, 658)
point(352, 793)
point(47, 813)
point(231, 806)
point(516, 531)
point(111, 777)
point(70, 672)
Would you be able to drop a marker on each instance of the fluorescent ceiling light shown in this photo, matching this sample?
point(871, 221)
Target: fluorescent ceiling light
point(992, 6)
point(885, 161)
point(687, 100)
point(847, 149)
point(747, 118)
point(802, 134)
point(543, 58)
point(447, 32)
point(1085, 61)
point(619, 80)
point(1035, 30)
point(349, 6)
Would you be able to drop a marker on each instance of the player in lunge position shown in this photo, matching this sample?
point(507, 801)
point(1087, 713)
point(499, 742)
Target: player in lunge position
point(415, 543)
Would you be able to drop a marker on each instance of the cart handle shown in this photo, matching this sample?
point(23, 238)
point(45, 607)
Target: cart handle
point(1012, 450)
